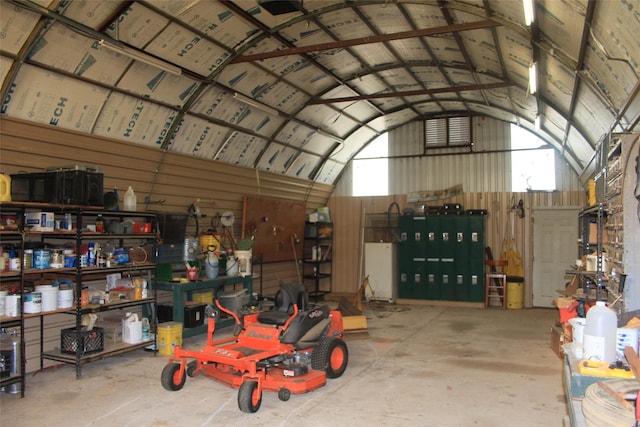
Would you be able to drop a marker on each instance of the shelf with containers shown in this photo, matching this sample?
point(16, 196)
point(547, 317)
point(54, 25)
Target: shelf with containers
point(317, 258)
point(12, 361)
point(117, 274)
point(621, 236)
point(591, 237)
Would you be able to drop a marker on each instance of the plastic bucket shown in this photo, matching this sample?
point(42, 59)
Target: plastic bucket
point(515, 295)
point(244, 262)
point(33, 302)
point(49, 297)
point(65, 298)
point(12, 305)
point(169, 336)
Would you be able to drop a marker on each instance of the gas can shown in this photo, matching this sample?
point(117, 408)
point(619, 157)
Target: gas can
point(5, 188)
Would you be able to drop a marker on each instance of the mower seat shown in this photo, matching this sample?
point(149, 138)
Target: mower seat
point(286, 297)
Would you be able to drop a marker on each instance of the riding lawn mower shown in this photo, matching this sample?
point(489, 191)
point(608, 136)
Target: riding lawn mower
point(291, 349)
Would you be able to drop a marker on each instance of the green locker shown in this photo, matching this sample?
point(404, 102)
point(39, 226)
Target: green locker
point(433, 279)
point(462, 271)
point(448, 226)
point(405, 258)
point(441, 257)
point(476, 258)
point(421, 280)
point(418, 236)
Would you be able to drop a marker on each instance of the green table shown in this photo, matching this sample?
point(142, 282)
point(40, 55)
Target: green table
point(218, 284)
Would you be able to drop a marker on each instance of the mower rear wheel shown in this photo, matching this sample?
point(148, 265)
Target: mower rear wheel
point(249, 396)
point(284, 394)
point(331, 356)
point(171, 378)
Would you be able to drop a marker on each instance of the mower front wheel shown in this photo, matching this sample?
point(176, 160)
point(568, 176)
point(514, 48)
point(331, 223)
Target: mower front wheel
point(249, 396)
point(191, 368)
point(284, 394)
point(331, 356)
point(171, 378)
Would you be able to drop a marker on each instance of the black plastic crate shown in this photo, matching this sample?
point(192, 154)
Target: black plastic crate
point(90, 341)
point(73, 187)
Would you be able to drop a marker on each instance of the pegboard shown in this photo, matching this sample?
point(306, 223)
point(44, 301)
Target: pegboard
point(278, 225)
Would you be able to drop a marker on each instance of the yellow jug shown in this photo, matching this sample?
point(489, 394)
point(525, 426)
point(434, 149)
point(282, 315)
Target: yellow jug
point(5, 188)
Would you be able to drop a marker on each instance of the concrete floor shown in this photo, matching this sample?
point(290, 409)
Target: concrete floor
point(420, 366)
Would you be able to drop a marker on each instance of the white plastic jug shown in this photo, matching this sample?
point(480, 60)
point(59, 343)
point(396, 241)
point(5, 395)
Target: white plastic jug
point(130, 200)
point(131, 329)
point(211, 265)
point(600, 333)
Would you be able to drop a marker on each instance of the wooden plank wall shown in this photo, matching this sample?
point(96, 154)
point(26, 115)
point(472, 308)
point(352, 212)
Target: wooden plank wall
point(176, 180)
point(169, 182)
point(502, 223)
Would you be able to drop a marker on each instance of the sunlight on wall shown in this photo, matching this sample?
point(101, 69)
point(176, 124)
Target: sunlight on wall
point(531, 169)
point(371, 169)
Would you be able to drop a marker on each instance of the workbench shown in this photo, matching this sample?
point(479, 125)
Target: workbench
point(575, 384)
point(183, 292)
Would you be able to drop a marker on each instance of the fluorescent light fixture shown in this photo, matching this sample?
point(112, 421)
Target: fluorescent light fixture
point(259, 105)
point(528, 12)
point(533, 78)
point(536, 122)
point(141, 57)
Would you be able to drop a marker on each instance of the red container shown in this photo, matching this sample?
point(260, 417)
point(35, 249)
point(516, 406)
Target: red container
point(142, 227)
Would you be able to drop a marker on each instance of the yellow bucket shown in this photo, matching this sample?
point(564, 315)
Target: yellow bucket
point(169, 336)
point(515, 295)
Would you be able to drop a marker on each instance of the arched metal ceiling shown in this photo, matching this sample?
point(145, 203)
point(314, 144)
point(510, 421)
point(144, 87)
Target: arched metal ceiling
point(301, 92)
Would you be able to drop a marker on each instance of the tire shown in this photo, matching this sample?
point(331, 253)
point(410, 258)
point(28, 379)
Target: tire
point(284, 394)
point(171, 378)
point(249, 397)
point(331, 356)
point(191, 368)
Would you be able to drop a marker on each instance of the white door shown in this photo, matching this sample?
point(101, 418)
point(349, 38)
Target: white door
point(555, 248)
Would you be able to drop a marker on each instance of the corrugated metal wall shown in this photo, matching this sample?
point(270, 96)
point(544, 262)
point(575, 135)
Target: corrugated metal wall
point(485, 168)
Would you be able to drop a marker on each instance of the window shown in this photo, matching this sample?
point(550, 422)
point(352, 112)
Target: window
point(532, 162)
point(448, 132)
point(371, 169)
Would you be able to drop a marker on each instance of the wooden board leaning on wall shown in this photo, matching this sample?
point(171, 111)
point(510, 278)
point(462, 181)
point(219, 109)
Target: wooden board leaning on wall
point(278, 227)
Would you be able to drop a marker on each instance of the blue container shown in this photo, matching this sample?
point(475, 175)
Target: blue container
point(41, 259)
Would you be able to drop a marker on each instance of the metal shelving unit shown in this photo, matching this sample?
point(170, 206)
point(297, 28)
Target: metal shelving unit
point(317, 256)
point(79, 274)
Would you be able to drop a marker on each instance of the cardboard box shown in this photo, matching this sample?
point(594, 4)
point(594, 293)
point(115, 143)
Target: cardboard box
point(593, 234)
point(557, 341)
point(39, 221)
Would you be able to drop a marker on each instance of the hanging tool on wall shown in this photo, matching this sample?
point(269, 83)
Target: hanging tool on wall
point(520, 209)
point(194, 211)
